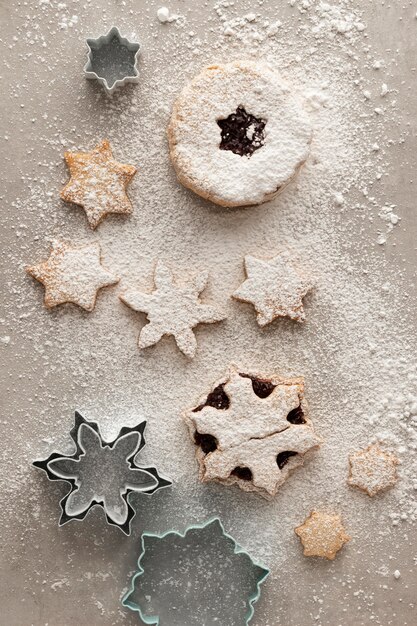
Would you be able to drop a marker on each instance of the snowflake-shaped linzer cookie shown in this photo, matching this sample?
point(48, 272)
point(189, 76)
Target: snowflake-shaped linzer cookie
point(102, 473)
point(373, 470)
point(251, 431)
point(199, 578)
point(322, 534)
point(98, 183)
point(172, 309)
point(275, 287)
point(72, 274)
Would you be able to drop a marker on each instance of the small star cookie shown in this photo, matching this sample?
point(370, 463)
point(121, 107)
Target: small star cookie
point(322, 534)
point(274, 287)
point(251, 431)
point(372, 470)
point(98, 183)
point(72, 274)
point(172, 309)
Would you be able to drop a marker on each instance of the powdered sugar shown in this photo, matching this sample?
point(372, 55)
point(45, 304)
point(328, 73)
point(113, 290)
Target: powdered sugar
point(356, 349)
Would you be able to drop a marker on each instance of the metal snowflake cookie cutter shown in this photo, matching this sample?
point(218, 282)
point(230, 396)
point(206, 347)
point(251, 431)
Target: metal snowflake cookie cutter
point(201, 576)
point(101, 473)
point(112, 60)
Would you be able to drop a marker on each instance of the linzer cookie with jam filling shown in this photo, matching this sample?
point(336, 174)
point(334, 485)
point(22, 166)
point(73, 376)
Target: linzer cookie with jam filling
point(238, 134)
point(251, 430)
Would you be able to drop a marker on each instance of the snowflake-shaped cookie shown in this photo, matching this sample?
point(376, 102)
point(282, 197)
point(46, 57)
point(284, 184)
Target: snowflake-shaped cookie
point(172, 309)
point(373, 470)
point(199, 578)
point(322, 534)
point(72, 274)
point(98, 183)
point(251, 431)
point(102, 473)
point(274, 287)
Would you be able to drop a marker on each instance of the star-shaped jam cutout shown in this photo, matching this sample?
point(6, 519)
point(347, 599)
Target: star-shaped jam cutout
point(242, 133)
point(102, 473)
point(172, 309)
point(373, 470)
point(322, 534)
point(98, 183)
point(72, 274)
point(274, 287)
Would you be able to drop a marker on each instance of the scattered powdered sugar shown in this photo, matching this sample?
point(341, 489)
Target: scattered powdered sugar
point(356, 349)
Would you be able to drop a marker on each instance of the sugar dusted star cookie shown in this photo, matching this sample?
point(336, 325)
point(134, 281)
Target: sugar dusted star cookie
point(172, 309)
point(72, 274)
point(275, 287)
point(372, 470)
point(322, 534)
point(252, 431)
point(98, 183)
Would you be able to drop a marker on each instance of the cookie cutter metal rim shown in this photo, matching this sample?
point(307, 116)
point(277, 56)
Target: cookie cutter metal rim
point(153, 620)
point(94, 44)
point(44, 465)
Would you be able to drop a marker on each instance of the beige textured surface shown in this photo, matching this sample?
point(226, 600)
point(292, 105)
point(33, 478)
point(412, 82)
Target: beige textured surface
point(356, 348)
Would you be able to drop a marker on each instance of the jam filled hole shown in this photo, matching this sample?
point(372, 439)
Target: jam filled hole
point(217, 398)
point(207, 443)
point(282, 458)
point(242, 133)
point(262, 388)
point(296, 416)
point(244, 473)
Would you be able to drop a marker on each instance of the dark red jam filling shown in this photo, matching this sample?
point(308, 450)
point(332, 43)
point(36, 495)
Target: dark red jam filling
point(244, 473)
point(207, 443)
point(296, 416)
point(217, 398)
point(262, 388)
point(242, 133)
point(282, 458)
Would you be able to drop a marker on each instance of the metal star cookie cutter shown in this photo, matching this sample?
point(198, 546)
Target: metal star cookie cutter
point(201, 576)
point(101, 473)
point(112, 60)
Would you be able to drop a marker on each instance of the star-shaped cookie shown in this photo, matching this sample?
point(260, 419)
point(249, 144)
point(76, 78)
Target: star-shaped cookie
point(98, 183)
point(172, 309)
point(274, 287)
point(322, 534)
point(72, 274)
point(373, 470)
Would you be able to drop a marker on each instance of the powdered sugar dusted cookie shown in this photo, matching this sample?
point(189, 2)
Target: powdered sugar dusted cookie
point(373, 469)
point(172, 309)
point(275, 288)
point(98, 183)
point(322, 534)
point(238, 134)
point(251, 431)
point(72, 274)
